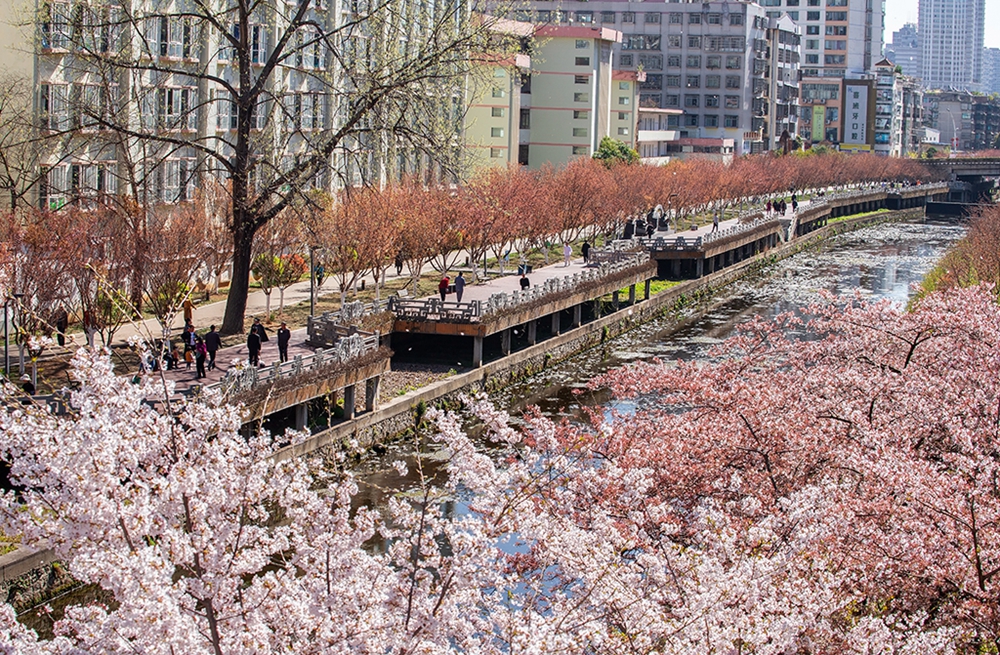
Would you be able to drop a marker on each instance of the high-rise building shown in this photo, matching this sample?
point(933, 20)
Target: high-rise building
point(991, 70)
point(904, 51)
point(951, 40)
point(710, 60)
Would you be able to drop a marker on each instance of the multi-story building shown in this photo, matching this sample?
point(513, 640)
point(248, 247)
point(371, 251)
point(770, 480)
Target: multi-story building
point(991, 70)
point(904, 51)
point(709, 60)
point(966, 121)
point(951, 40)
point(657, 136)
point(784, 43)
point(574, 100)
point(888, 109)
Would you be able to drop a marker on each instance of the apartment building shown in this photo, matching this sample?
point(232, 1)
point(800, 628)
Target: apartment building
point(966, 121)
point(905, 52)
point(991, 70)
point(710, 60)
point(784, 45)
point(951, 41)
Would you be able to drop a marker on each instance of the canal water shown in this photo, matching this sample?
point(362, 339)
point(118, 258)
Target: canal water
point(882, 261)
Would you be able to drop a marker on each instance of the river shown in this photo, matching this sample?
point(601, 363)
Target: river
point(882, 261)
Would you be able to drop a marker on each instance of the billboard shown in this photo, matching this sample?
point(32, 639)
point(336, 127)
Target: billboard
point(819, 116)
point(856, 129)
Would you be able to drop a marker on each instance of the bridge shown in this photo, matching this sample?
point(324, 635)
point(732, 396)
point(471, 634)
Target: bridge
point(972, 180)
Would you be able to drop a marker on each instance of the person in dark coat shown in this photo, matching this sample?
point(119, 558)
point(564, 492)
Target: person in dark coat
point(525, 282)
point(256, 340)
point(585, 249)
point(200, 355)
point(459, 286)
point(62, 323)
point(284, 335)
point(212, 343)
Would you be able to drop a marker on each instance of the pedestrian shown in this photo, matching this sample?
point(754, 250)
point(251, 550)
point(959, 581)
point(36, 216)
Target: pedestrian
point(443, 287)
point(399, 263)
point(253, 347)
point(768, 207)
point(284, 335)
point(795, 205)
point(525, 282)
point(258, 329)
point(189, 343)
point(212, 343)
point(715, 223)
point(459, 286)
point(567, 254)
point(28, 386)
point(62, 323)
point(188, 311)
point(784, 207)
point(585, 249)
point(320, 272)
point(200, 355)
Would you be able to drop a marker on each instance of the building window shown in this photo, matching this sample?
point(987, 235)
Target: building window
point(713, 81)
point(623, 100)
point(691, 101)
point(649, 100)
point(581, 97)
point(608, 17)
point(734, 62)
point(582, 44)
point(582, 61)
point(735, 19)
point(581, 79)
point(712, 101)
point(834, 30)
point(581, 150)
point(652, 81)
point(674, 41)
point(623, 86)
point(694, 18)
point(693, 81)
point(834, 44)
point(623, 115)
point(812, 59)
point(581, 114)
point(496, 132)
point(651, 62)
point(498, 92)
point(585, 17)
point(694, 42)
point(690, 120)
point(836, 15)
point(676, 19)
point(628, 17)
point(834, 60)
point(673, 61)
point(498, 112)
point(622, 131)
point(579, 131)
point(626, 60)
point(694, 61)
point(812, 44)
point(496, 153)
point(711, 120)
point(651, 18)
point(812, 15)
point(794, 15)
point(713, 62)
point(732, 81)
point(732, 121)
point(732, 102)
point(526, 119)
point(715, 19)
point(673, 80)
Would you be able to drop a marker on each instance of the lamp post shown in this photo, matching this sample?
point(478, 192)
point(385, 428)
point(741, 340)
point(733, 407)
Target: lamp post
point(6, 323)
point(312, 282)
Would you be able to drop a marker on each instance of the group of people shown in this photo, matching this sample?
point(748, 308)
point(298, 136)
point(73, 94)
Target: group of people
point(780, 207)
point(257, 337)
point(445, 286)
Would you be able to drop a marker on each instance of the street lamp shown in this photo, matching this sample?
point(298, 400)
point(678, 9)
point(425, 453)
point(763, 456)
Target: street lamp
point(6, 322)
point(312, 281)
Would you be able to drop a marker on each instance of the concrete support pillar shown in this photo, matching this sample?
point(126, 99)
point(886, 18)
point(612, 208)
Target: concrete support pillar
point(645, 295)
point(555, 324)
point(631, 294)
point(505, 341)
point(577, 315)
point(532, 332)
point(614, 300)
point(675, 269)
point(700, 268)
point(371, 393)
point(477, 352)
point(349, 400)
point(597, 308)
point(301, 416)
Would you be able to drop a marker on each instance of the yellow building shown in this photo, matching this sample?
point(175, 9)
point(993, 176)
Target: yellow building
point(493, 116)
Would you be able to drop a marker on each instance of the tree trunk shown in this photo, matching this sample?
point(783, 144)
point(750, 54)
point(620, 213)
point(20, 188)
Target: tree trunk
point(239, 283)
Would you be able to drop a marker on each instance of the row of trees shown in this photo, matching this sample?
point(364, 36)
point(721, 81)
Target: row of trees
point(106, 261)
point(830, 494)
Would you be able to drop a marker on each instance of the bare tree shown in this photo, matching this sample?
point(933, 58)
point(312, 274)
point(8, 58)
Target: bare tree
point(274, 97)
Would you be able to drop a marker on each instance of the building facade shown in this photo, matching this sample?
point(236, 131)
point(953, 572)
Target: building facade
point(991, 70)
point(951, 41)
point(965, 121)
point(905, 51)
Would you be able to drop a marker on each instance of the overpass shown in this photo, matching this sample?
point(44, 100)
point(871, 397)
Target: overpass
point(971, 180)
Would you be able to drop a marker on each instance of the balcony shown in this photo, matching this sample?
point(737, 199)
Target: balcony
point(647, 136)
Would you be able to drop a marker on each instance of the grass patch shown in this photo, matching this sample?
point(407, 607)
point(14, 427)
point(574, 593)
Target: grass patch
point(841, 219)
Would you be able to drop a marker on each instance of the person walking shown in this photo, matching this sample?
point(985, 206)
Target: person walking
point(525, 282)
point(253, 348)
point(567, 254)
point(258, 329)
point(200, 355)
point(190, 339)
point(399, 263)
point(715, 223)
point(188, 311)
point(443, 287)
point(284, 336)
point(585, 249)
point(62, 323)
point(212, 343)
point(320, 272)
point(459, 286)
